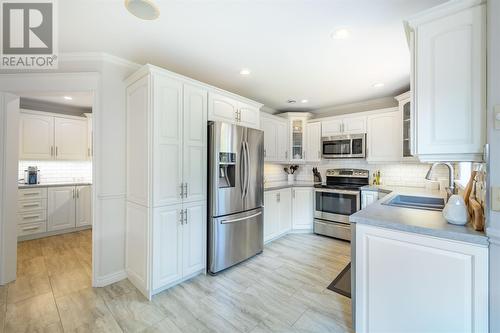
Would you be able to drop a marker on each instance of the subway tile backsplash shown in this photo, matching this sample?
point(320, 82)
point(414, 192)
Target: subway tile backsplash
point(60, 171)
point(394, 174)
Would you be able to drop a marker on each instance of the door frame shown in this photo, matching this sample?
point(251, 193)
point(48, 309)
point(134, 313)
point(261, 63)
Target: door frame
point(19, 83)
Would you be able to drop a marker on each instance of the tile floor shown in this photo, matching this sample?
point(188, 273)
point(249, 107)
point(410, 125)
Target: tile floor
point(281, 290)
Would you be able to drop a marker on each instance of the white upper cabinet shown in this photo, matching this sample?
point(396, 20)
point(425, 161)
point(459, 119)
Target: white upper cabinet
point(313, 142)
point(343, 125)
point(36, 137)
point(448, 46)
point(384, 138)
point(276, 141)
point(195, 143)
point(297, 136)
point(43, 136)
point(167, 140)
point(283, 148)
point(229, 109)
point(70, 139)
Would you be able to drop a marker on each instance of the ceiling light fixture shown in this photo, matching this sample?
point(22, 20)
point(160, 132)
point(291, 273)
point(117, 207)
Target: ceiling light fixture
point(341, 33)
point(143, 9)
point(304, 101)
point(68, 98)
point(378, 85)
point(245, 71)
point(291, 101)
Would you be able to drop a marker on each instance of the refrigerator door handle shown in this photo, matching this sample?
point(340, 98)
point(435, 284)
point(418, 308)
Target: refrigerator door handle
point(247, 168)
point(241, 218)
point(243, 169)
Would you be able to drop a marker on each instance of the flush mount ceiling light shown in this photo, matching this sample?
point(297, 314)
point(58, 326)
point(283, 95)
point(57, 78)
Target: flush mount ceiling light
point(341, 33)
point(245, 71)
point(291, 101)
point(68, 98)
point(304, 101)
point(378, 85)
point(143, 9)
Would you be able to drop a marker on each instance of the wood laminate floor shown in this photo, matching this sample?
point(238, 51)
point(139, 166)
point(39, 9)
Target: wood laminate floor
point(281, 290)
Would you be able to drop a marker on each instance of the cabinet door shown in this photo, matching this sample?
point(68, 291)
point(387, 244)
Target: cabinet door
point(167, 151)
point(70, 139)
point(167, 246)
point(194, 238)
point(195, 143)
point(354, 125)
point(444, 283)
point(282, 140)
point(384, 138)
point(249, 115)
point(83, 206)
point(271, 214)
point(222, 108)
point(331, 127)
point(269, 127)
point(285, 214)
point(297, 139)
point(36, 137)
point(61, 208)
point(302, 208)
point(313, 142)
point(450, 92)
point(367, 198)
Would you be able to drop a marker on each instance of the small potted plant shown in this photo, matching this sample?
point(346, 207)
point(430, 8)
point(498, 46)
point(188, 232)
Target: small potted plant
point(290, 172)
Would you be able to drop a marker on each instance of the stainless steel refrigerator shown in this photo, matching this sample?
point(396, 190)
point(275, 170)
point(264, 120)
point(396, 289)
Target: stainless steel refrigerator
point(235, 194)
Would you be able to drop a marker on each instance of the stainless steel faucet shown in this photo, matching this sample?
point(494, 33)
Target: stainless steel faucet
point(451, 176)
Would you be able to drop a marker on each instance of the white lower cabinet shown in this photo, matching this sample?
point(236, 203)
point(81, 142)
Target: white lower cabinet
point(407, 282)
point(83, 206)
point(302, 208)
point(61, 208)
point(179, 243)
point(285, 211)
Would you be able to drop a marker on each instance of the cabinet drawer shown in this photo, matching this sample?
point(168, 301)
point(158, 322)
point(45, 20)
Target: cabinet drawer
point(32, 193)
point(31, 217)
point(32, 205)
point(31, 228)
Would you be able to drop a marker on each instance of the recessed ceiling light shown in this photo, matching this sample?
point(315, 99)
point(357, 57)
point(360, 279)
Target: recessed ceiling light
point(68, 98)
point(304, 101)
point(378, 85)
point(143, 9)
point(291, 101)
point(341, 33)
point(245, 71)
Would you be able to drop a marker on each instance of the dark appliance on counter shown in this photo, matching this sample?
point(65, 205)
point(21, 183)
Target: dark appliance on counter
point(317, 176)
point(32, 175)
point(344, 146)
point(335, 201)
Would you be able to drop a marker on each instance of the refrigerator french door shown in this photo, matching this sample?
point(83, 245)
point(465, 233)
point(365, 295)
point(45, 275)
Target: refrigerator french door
point(236, 194)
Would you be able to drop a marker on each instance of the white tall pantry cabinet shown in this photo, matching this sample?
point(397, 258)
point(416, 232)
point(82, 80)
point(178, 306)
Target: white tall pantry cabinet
point(166, 179)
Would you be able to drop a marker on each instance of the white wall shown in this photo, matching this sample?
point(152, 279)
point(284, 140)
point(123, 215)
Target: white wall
point(493, 93)
point(109, 149)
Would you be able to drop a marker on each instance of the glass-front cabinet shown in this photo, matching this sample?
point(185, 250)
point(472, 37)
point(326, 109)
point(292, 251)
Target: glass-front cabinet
point(298, 122)
point(405, 108)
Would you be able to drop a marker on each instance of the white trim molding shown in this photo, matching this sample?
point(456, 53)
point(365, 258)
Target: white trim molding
point(106, 280)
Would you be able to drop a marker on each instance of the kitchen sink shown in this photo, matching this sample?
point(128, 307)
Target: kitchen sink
point(408, 201)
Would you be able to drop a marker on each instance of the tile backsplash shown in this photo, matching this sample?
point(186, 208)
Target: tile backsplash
point(59, 171)
point(394, 174)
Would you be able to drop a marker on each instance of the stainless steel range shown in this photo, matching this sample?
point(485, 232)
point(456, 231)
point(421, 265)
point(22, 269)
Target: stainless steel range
point(337, 200)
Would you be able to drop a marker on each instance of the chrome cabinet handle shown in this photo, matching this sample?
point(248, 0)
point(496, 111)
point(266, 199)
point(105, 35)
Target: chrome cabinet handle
point(73, 192)
point(185, 190)
point(181, 194)
point(30, 193)
point(181, 213)
point(293, 193)
point(31, 228)
point(185, 216)
point(57, 150)
point(51, 150)
point(31, 205)
point(78, 193)
point(30, 217)
point(304, 154)
point(286, 154)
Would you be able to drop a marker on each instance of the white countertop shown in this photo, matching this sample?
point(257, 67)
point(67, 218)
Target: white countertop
point(270, 186)
point(419, 221)
point(23, 186)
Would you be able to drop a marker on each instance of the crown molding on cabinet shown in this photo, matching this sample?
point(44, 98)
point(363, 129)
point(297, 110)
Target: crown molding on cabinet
point(37, 105)
point(368, 105)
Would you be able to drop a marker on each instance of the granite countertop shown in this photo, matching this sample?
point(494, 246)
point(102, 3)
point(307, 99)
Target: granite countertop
point(425, 222)
point(270, 186)
point(21, 186)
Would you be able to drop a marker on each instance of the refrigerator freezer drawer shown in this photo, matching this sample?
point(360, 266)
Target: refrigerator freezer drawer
point(234, 238)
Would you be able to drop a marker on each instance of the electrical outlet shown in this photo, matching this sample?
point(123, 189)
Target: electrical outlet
point(496, 112)
point(495, 199)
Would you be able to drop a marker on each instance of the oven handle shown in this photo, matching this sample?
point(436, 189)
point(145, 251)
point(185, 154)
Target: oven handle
point(356, 193)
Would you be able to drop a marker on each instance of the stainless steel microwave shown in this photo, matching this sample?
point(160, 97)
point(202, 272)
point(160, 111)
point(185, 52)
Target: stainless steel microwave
point(344, 146)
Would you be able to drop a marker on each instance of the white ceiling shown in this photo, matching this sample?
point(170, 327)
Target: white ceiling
point(79, 99)
point(285, 43)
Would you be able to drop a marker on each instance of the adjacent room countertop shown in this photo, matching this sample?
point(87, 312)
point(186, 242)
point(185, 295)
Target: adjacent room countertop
point(21, 186)
point(270, 186)
point(425, 222)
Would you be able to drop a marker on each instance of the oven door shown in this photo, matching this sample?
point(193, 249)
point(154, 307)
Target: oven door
point(336, 205)
point(336, 148)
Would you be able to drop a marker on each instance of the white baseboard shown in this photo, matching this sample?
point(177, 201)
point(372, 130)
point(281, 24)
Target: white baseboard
point(301, 231)
point(106, 280)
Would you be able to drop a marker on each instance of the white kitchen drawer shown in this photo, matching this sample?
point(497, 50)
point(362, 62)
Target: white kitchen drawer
point(32, 193)
point(31, 217)
point(32, 205)
point(31, 228)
